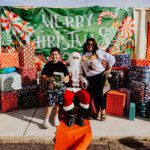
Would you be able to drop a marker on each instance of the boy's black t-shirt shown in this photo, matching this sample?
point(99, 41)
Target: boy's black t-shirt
point(51, 67)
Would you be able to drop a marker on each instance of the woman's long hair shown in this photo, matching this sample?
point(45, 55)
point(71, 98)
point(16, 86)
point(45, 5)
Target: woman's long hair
point(95, 47)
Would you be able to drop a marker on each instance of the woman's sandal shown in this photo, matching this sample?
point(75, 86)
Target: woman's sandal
point(103, 117)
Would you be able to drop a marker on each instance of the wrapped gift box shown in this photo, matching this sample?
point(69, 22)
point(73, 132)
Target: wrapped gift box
point(26, 56)
point(8, 101)
point(9, 60)
point(125, 74)
point(10, 81)
point(122, 60)
point(28, 101)
point(139, 73)
point(128, 95)
point(28, 97)
point(43, 85)
point(117, 79)
point(42, 99)
point(115, 102)
point(28, 76)
point(140, 62)
point(143, 109)
point(147, 91)
point(137, 90)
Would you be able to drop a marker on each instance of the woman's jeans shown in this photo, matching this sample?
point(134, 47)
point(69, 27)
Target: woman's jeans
point(95, 89)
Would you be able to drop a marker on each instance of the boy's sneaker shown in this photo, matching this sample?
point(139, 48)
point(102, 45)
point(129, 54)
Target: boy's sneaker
point(56, 121)
point(46, 124)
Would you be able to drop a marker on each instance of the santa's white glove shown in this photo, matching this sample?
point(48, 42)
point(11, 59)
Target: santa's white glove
point(84, 83)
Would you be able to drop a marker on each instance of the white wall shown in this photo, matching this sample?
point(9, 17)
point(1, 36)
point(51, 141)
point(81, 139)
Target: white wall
point(141, 21)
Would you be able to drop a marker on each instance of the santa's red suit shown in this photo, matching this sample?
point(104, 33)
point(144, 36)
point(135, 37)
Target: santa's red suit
point(76, 88)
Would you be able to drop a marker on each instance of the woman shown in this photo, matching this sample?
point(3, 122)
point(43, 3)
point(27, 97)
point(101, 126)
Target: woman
point(96, 65)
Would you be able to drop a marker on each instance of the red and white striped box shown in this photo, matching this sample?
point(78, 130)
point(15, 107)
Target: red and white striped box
point(140, 62)
point(9, 101)
point(26, 56)
point(28, 76)
point(9, 60)
point(115, 102)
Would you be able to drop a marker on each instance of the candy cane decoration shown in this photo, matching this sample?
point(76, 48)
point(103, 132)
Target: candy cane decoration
point(103, 14)
point(12, 22)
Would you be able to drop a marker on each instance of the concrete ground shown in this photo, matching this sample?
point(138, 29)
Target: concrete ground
point(26, 126)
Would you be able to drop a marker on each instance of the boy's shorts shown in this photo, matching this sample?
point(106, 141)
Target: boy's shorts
point(55, 96)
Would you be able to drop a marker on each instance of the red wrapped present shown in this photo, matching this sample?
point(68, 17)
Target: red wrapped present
point(28, 76)
point(115, 102)
point(9, 101)
point(26, 56)
point(9, 60)
point(140, 62)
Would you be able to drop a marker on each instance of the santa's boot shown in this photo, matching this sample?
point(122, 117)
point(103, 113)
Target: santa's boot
point(81, 115)
point(70, 118)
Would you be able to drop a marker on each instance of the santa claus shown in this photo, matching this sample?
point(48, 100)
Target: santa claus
point(76, 92)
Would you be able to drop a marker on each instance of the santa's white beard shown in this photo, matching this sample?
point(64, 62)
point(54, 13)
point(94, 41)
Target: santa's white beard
point(74, 69)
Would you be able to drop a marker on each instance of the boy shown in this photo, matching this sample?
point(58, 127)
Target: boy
point(56, 75)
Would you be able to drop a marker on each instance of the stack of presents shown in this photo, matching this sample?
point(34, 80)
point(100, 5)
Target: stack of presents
point(129, 94)
point(130, 88)
point(18, 80)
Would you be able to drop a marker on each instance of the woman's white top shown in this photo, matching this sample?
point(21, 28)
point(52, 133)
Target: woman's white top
point(92, 63)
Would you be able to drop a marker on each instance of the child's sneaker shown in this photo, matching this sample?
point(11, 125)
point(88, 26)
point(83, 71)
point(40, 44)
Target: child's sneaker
point(46, 124)
point(56, 121)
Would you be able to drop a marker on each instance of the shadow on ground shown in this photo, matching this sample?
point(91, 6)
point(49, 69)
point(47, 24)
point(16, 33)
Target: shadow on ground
point(121, 144)
point(141, 144)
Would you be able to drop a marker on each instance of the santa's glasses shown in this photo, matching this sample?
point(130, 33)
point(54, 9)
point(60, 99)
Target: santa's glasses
point(75, 57)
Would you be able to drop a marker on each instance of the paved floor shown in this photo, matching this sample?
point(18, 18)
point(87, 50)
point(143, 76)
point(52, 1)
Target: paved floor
point(29, 123)
point(22, 130)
